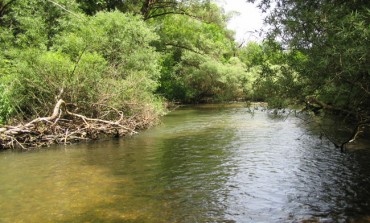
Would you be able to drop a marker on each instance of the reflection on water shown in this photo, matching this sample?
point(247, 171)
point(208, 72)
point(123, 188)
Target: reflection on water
point(205, 164)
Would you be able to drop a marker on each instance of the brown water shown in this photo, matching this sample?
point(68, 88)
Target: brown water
point(204, 164)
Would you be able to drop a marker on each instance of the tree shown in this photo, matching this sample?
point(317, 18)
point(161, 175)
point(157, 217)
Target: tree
point(197, 63)
point(146, 8)
point(91, 7)
point(331, 38)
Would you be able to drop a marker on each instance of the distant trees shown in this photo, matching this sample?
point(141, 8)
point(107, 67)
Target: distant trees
point(198, 63)
point(271, 78)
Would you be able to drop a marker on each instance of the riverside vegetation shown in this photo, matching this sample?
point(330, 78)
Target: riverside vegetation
point(73, 70)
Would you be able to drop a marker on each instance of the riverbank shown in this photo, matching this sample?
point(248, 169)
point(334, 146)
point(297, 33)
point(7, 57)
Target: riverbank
point(66, 127)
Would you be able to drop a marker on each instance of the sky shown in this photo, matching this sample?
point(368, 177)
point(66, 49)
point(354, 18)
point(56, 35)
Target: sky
point(247, 23)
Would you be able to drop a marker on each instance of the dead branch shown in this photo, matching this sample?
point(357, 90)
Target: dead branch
point(362, 121)
point(312, 100)
point(65, 127)
point(55, 114)
point(355, 134)
point(84, 118)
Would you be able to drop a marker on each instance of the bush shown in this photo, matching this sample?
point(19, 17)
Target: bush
point(106, 59)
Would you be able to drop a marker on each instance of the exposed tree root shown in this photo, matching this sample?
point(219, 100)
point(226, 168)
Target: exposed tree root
point(65, 127)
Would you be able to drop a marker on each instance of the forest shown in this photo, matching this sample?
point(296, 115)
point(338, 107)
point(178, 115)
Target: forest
point(71, 70)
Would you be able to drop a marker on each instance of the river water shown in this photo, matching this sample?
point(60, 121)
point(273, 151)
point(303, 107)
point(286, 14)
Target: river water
point(202, 164)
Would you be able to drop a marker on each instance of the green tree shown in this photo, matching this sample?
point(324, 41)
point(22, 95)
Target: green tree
point(148, 9)
point(91, 7)
point(198, 64)
point(329, 45)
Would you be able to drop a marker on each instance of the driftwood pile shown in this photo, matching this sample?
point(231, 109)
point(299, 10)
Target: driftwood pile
point(65, 127)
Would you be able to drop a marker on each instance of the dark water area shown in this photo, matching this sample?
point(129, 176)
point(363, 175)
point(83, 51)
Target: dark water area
point(202, 164)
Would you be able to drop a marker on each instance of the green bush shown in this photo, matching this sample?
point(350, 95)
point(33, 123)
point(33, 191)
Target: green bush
point(105, 59)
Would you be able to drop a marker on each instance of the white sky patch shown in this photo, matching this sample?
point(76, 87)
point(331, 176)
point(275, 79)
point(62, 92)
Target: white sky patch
point(247, 24)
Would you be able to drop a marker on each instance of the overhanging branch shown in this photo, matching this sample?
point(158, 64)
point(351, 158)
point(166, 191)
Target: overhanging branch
point(183, 47)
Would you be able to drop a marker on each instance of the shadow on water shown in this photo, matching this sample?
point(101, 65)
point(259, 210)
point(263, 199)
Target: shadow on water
point(204, 164)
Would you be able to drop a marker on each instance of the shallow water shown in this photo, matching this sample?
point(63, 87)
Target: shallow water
point(202, 164)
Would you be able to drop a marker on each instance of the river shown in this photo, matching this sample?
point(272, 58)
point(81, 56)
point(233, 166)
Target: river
point(201, 164)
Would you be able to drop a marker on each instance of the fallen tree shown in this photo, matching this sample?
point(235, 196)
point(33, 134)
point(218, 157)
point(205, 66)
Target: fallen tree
point(65, 127)
point(360, 120)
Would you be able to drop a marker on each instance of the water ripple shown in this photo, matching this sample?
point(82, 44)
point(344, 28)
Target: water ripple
point(206, 164)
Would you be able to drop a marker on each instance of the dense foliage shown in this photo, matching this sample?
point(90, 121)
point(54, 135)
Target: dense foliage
point(271, 78)
point(328, 43)
point(105, 59)
point(197, 58)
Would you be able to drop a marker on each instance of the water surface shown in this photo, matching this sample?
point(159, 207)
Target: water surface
point(202, 164)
